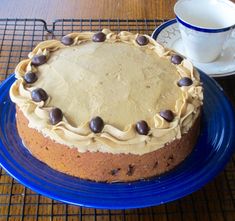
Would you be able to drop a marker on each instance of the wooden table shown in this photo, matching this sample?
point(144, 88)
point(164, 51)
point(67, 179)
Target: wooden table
point(122, 9)
point(49, 10)
point(215, 201)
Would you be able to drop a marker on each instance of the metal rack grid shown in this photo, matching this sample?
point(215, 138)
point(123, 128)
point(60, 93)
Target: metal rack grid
point(215, 201)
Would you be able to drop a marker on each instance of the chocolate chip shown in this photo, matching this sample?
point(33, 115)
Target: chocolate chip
point(39, 95)
point(185, 82)
point(142, 40)
point(96, 124)
point(130, 170)
point(55, 115)
point(167, 115)
point(30, 77)
point(155, 165)
point(66, 40)
point(114, 171)
point(171, 157)
point(38, 60)
point(142, 127)
point(99, 37)
point(169, 162)
point(176, 59)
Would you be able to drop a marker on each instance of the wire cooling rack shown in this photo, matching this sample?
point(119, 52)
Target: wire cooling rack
point(215, 201)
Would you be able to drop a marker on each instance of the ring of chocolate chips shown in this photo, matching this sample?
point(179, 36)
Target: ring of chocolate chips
point(96, 124)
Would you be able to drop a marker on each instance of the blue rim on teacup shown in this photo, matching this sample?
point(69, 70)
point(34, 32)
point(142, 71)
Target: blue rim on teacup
point(204, 29)
point(208, 30)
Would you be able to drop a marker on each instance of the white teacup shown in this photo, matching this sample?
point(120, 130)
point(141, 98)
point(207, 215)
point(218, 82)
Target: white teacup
point(205, 25)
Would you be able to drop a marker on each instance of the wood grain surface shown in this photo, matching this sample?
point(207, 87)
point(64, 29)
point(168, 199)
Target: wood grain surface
point(122, 9)
point(49, 10)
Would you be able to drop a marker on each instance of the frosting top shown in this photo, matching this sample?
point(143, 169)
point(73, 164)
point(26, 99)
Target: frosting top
point(118, 80)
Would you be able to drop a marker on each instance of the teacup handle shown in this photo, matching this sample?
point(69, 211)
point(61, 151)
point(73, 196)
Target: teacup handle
point(231, 36)
point(233, 33)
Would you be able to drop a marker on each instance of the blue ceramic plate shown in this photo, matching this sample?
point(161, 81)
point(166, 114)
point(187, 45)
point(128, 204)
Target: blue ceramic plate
point(213, 150)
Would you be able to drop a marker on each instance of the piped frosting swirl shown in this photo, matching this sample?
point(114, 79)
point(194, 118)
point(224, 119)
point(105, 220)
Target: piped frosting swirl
point(119, 80)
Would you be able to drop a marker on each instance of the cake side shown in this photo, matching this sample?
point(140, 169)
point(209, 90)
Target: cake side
point(106, 167)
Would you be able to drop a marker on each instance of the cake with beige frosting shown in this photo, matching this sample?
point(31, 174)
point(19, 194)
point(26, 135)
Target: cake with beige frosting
point(107, 107)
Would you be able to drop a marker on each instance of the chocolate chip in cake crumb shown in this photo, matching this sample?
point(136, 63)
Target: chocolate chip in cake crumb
point(142, 40)
point(147, 86)
point(96, 124)
point(39, 95)
point(99, 37)
point(115, 171)
point(38, 60)
point(176, 59)
point(66, 40)
point(185, 81)
point(130, 170)
point(55, 115)
point(170, 159)
point(142, 127)
point(156, 164)
point(167, 115)
point(30, 77)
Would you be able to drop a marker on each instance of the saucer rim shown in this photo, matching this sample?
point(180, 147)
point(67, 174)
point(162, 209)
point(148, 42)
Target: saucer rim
point(170, 22)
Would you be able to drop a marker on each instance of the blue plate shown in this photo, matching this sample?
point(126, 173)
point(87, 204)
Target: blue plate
point(213, 150)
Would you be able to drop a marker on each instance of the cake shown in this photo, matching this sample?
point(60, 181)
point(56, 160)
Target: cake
point(107, 107)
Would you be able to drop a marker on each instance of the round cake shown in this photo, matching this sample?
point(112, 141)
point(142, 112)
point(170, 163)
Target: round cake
point(107, 107)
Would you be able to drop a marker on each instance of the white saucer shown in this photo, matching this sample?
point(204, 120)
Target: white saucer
point(168, 34)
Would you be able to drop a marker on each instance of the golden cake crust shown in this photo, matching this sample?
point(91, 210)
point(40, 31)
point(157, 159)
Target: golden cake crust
point(106, 167)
